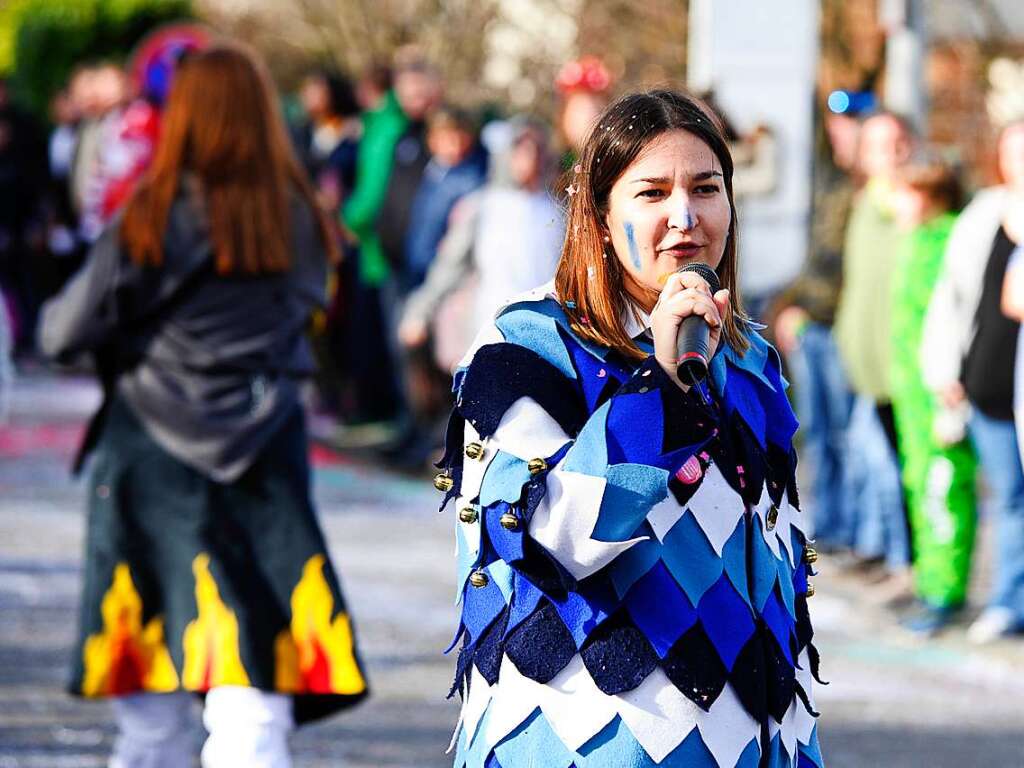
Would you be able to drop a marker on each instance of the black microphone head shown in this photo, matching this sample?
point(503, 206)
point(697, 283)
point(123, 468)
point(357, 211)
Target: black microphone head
point(709, 275)
point(692, 341)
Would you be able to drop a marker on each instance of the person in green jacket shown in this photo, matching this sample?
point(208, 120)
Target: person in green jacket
point(383, 126)
point(938, 465)
point(370, 362)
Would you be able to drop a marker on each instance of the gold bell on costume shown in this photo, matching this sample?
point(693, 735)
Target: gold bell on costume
point(443, 482)
point(536, 466)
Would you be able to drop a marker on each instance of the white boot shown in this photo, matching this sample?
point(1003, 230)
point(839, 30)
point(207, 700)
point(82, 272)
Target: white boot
point(248, 728)
point(153, 730)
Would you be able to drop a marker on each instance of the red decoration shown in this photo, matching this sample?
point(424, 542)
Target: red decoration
point(585, 74)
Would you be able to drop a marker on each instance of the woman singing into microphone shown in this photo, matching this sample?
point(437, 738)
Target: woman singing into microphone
point(632, 569)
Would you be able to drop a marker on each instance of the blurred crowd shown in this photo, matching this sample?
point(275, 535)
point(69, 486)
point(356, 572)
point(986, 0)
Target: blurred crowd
point(57, 193)
point(899, 335)
point(440, 213)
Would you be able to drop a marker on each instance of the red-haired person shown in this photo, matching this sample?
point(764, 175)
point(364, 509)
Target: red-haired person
point(632, 566)
point(206, 571)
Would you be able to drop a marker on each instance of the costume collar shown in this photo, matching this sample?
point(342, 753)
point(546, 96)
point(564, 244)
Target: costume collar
point(636, 322)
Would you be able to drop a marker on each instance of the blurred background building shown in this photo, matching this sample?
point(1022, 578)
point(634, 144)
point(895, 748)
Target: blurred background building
point(959, 63)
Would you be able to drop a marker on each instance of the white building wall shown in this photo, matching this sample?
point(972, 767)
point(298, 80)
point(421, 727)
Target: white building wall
point(760, 58)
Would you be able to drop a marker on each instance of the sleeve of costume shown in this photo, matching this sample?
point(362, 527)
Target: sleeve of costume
point(87, 310)
point(452, 264)
point(547, 483)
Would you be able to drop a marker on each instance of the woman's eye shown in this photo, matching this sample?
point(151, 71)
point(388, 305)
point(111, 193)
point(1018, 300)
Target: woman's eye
point(654, 193)
point(707, 189)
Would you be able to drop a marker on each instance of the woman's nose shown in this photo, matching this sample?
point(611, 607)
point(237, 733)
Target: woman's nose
point(683, 216)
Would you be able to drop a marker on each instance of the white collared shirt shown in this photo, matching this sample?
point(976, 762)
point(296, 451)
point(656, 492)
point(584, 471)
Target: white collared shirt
point(636, 322)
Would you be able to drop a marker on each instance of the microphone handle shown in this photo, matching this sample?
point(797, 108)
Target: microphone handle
point(692, 349)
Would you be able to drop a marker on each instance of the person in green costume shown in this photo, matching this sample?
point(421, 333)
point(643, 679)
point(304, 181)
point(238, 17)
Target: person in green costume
point(938, 464)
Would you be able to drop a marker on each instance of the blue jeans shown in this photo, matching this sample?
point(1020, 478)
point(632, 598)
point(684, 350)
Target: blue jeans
point(873, 486)
point(823, 405)
point(995, 441)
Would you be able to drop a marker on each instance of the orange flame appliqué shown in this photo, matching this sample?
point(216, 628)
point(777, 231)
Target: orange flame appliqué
point(126, 657)
point(315, 654)
point(212, 655)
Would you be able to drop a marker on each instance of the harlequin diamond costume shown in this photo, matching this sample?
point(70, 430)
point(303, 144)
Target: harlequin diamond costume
point(632, 569)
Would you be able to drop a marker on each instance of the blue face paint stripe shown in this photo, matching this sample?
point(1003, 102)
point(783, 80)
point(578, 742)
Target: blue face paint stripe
point(634, 253)
point(687, 219)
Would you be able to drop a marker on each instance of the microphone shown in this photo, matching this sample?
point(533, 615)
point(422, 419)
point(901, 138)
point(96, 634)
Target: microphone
point(692, 344)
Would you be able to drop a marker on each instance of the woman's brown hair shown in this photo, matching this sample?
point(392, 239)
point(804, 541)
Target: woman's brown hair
point(592, 282)
point(222, 124)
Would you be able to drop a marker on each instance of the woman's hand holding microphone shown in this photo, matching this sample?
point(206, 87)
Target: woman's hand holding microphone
point(685, 294)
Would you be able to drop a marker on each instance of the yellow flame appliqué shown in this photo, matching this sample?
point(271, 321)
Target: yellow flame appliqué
point(315, 654)
point(212, 655)
point(126, 657)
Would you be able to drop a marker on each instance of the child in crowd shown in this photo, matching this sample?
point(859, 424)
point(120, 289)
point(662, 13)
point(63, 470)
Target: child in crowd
point(457, 167)
point(501, 241)
point(938, 465)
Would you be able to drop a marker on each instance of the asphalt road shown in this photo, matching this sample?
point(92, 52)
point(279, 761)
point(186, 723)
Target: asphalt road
point(893, 700)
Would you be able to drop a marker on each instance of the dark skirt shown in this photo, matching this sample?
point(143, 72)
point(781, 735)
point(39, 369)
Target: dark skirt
point(192, 584)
